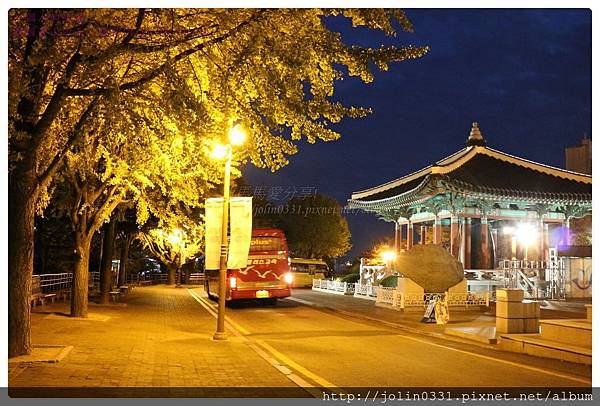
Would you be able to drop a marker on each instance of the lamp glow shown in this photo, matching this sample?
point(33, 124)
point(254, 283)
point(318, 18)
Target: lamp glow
point(388, 255)
point(508, 230)
point(237, 135)
point(175, 237)
point(526, 234)
point(220, 151)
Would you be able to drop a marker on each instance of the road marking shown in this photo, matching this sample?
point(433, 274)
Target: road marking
point(321, 381)
point(522, 366)
point(280, 360)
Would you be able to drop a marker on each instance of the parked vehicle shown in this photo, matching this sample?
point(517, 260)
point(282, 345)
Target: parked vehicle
point(267, 275)
point(305, 270)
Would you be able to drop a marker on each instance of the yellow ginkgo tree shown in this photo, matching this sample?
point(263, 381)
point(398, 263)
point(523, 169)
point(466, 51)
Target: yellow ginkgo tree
point(69, 70)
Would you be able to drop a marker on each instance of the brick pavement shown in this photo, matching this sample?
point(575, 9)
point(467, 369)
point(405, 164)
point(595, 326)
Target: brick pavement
point(160, 338)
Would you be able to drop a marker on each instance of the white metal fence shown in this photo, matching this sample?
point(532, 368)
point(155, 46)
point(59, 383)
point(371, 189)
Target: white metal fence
point(402, 300)
point(342, 288)
point(365, 290)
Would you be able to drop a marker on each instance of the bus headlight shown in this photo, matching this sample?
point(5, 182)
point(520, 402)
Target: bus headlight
point(233, 282)
point(288, 278)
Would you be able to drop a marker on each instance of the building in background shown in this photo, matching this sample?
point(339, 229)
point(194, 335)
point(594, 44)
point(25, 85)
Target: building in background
point(579, 157)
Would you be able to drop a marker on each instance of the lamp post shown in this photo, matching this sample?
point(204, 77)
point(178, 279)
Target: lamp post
point(236, 137)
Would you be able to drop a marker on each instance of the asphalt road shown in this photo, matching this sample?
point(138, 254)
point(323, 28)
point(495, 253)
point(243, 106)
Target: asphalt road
point(328, 349)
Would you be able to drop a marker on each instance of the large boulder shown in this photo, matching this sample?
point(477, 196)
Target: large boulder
point(431, 267)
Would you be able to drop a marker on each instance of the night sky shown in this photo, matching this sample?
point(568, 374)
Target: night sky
point(524, 75)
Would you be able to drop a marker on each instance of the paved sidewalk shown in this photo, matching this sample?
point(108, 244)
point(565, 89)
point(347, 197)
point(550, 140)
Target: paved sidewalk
point(159, 338)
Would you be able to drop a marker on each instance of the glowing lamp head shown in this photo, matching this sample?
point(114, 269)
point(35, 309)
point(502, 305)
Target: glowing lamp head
point(175, 237)
point(237, 135)
point(388, 255)
point(288, 278)
point(526, 233)
point(220, 151)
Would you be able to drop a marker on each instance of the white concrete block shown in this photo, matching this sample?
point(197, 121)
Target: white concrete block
point(510, 310)
point(509, 326)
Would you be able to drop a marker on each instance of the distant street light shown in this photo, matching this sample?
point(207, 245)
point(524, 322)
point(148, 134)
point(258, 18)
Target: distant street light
point(176, 238)
point(237, 136)
point(524, 233)
point(389, 257)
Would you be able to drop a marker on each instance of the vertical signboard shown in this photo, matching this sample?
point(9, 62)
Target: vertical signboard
point(240, 220)
point(213, 218)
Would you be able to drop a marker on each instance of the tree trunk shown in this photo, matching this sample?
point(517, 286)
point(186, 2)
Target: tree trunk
point(171, 278)
point(108, 250)
point(123, 261)
point(21, 208)
point(79, 294)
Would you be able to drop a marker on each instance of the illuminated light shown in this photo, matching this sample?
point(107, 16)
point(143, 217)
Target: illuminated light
point(233, 282)
point(288, 278)
point(220, 151)
point(508, 230)
point(237, 135)
point(175, 237)
point(388, 255)
point(526, 233)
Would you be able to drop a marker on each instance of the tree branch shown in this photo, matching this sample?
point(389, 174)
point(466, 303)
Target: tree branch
point(154, 73)
point(73, 138)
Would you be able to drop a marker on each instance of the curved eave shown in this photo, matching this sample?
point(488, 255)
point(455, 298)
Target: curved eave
point(407, 178)
point(403, 199)
point(489, 193)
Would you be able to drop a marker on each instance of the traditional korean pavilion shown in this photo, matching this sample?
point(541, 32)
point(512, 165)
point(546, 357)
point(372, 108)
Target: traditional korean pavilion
point(468, 200)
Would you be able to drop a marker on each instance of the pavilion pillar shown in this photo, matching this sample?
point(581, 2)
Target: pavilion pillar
point(467, 244)
point(409, 235)
point(423, 234)
point(454, 236)
point(397, 236)
point(485, 243)
point(546, 241)
point(437, 230)
point(541, 240)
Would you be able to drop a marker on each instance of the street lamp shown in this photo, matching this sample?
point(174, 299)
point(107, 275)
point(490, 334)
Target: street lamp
point(524, 233)
point(237, 136)
point(389, 257)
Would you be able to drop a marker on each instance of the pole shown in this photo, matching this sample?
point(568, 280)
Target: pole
point(220, 333)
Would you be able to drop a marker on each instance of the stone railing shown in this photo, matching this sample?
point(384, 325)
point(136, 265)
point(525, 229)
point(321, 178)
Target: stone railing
point(402, 300)
point(337, 287)
point(366, 291)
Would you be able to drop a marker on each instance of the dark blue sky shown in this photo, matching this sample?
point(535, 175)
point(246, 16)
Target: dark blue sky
point(524, 75)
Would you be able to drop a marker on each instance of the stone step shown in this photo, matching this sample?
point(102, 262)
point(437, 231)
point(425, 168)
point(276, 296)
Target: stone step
point(577, 332)
point(482, 334)
point(534, 344)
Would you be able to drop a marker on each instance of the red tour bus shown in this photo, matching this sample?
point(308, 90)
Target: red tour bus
point(267, 275)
